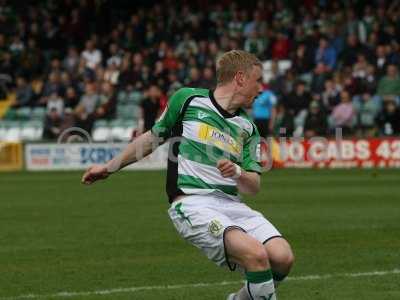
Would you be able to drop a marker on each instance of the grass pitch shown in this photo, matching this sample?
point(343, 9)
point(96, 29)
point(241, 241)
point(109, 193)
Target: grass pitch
point(59, 236)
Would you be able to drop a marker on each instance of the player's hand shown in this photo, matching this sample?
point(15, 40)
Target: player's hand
point(94, 173)
point(227, 168)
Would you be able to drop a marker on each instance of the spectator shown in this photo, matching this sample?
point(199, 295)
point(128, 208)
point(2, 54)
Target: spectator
point(71, 61)
point(349, 54)
point(71, 97)
point(389, 120)
point(328, 46)
point(316, 122)
point(381, 60)
point(331, 95)
point(65, 82)
point(50, 42)
point(17, 46)
point(298, 101)
point(202, 55)
point(235, 26)
point(393, 53)
point(302, 61)
point(367, 111)
point(170, 62)
point(107, 102)
point(282, 84)
point(367, 83)
point(343, 114)
point(31, 59)
point(297, 104)
point(115, 56)
point(55, 67)
point(111, 74)
point(280, 48)
point(23, 93)
point(319, 76)
point(159, 71)
point(89, 100)
point(150, 108)
point(325, 54)
point(187, 46)
point(51, 86)
point(360, 68)
point(55, 103)
point(367, 23)
point(254, 44)
point(207, 81)
point(175, 84)
point(91, 55)
point(284, 124)
point(389, 85)
point(3, 46)
point(84, 111)
point(264, 112)
point(194, 77)
point(52, 125)
point(67, 122)
point(257, 23)
point(5, 81)
point(7, 64)
point(126, 76)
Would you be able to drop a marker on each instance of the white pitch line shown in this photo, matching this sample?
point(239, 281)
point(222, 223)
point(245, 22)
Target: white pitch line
point(185, 286)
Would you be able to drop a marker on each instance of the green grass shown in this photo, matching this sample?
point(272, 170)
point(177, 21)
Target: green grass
point(57, 235)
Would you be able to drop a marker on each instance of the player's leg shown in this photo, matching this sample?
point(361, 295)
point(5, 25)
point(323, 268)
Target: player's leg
point(279, 253)
point(280, 257)
point(246, 251)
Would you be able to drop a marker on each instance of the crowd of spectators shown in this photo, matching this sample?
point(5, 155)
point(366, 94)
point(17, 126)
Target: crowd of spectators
point(80, 59)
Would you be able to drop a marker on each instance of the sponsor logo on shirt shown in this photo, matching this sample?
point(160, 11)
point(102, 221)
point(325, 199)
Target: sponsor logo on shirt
point(220, 139)
point(201, 115)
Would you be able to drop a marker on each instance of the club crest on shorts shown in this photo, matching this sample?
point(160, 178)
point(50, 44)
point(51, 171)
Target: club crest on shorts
point(215, 228)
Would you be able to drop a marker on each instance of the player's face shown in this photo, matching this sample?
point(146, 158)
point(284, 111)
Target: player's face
point(252, 86)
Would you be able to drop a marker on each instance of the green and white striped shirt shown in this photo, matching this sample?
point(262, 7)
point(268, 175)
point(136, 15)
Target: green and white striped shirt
point(201, 132)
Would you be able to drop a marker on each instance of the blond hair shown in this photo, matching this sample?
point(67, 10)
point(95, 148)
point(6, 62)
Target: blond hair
point(231, 62)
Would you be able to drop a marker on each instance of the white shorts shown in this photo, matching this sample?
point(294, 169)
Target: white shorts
point(203, 219)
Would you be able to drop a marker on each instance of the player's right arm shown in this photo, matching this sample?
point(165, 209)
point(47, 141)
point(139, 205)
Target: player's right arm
point(144, 144)
point(139, 148)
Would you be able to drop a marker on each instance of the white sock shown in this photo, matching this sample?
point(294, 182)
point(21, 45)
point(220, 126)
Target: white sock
point(260, 285)
point(242, 294)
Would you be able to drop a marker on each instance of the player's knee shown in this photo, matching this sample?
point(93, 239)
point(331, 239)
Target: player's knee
point(257, 258)
point(281, 255)
point(288, 260)
point(285, 261)
point(260, 255)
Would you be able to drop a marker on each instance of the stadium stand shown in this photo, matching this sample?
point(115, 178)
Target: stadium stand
point(104, 67)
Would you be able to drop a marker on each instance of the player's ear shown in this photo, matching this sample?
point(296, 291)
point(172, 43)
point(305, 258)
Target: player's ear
point(240, 78)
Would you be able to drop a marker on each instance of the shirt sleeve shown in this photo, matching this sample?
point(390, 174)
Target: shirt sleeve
point(252, 153)
point(171, 114)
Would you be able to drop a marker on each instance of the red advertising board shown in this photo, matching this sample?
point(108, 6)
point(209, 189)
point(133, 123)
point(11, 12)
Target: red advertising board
point(322, 153)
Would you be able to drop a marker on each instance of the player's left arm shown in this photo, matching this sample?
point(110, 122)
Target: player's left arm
point(247, 182)
point(247, 172)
